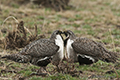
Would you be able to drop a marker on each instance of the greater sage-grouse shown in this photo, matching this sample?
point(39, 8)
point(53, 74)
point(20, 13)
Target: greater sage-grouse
point(86, 51)
point(41, 52)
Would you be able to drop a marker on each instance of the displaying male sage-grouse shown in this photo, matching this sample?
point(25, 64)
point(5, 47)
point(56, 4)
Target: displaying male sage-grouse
point(41, 52)
point(86, 51)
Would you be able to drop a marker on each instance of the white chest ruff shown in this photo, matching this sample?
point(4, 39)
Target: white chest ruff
point(69, 48)
point(60, 43)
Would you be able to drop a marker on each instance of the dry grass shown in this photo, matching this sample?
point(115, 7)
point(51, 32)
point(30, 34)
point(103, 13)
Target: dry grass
point(95, 19)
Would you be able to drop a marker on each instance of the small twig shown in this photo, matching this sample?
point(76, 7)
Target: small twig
point(27, 30)
point(16, 21)
point(115, 71)
point(112, 40)
point(8, 18)
point(36, 31)
point(5, 44)
point(43, 26)
point(0, 6)
point(15, 36)
point(5, 78)
point(1, 33)
point(9, 64)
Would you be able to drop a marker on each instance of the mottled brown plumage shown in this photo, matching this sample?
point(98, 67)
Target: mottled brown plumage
point(40, 48)
point(86, 48)
point(39, 52)
point(94, 49)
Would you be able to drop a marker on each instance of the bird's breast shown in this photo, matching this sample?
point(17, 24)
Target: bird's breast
point(69, 48)
point(59, 42)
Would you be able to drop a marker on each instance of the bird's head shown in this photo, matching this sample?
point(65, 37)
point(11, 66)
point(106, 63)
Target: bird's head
point(56, 33)
point(69, 34)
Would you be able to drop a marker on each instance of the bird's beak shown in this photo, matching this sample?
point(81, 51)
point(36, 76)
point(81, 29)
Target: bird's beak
point(60, 32)
point(65, 32)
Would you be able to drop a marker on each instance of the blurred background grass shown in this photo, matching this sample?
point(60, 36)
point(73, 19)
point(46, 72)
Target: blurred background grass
point(95, 19)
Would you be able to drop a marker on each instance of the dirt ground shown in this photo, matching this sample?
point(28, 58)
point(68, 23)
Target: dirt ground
point(98, 20)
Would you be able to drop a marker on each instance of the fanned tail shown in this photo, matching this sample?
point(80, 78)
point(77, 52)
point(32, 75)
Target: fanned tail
point(18, 58)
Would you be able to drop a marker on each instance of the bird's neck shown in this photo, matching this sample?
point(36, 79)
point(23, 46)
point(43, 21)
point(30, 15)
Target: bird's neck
point(59, 40)
point(52, 38)
point(72, 37)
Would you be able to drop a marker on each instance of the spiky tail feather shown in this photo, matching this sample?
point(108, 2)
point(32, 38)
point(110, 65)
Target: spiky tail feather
point(113, 57)
point(18, 58)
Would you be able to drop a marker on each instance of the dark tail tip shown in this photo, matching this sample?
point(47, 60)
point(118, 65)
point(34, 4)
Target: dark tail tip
point(110, 60)
point(113, 57)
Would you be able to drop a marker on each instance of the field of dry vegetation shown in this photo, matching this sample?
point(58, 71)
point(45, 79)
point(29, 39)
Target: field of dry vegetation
point(98, 20)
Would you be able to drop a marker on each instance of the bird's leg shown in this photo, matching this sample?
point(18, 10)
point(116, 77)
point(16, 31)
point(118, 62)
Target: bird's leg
point(67, 66)
point(58, 68)
point(45, 69)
